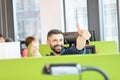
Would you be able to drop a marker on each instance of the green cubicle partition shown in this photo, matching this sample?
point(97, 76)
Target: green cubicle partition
point(44, 49)
point(105, 47)
point(31, 68)
point(102, 47)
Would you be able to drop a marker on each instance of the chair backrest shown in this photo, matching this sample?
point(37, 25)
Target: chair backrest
point(70, 37)
point(90, 49)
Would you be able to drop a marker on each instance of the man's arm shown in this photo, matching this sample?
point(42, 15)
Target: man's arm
point(81, 39)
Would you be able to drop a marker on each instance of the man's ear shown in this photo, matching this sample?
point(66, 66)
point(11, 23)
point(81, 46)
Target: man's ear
point(48, 42)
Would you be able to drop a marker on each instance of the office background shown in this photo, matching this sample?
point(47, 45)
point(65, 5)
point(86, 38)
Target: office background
point(20, 18)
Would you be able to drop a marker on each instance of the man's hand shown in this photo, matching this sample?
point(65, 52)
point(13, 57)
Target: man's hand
point(81, 39)
point(80, 43)
point(84, 33)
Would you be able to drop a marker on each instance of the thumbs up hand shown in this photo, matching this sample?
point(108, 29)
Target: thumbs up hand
point(81, 39)
point(84, 33)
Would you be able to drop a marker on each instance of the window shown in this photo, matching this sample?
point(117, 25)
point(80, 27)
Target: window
point(76, 12)
point(26, 18)
point(109, 23)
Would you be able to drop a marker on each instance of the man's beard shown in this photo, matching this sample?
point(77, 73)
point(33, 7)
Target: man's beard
point(57, 50)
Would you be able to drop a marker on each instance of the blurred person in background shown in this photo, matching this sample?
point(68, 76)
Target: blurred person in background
point(2, 39)
point(28, 42)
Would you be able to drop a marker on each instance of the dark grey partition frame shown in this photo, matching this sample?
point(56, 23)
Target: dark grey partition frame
point(6, 18)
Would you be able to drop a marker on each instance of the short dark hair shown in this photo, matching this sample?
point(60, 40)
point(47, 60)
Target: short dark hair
point(1, 35)
point(8, 39)
point(28, 40)
point(54, 31)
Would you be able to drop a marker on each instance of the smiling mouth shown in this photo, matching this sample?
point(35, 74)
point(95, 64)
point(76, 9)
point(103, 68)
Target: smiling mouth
point(58, 48)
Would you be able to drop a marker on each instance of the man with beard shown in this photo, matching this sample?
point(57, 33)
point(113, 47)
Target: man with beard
point(55, 40)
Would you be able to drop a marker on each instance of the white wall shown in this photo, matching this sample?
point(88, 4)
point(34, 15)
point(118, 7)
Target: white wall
point(51, 17)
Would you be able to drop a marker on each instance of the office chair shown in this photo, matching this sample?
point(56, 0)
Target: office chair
point(70, 37)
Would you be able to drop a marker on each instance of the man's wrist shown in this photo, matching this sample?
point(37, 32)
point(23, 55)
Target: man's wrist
point(80, 42)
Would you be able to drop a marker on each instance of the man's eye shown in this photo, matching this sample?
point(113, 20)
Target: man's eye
point(61, 40)
point(54, 40)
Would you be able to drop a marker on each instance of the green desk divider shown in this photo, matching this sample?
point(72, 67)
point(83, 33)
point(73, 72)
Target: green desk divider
point(31, 68)
point(102, 47)
point(44, 49)
point(105, 47)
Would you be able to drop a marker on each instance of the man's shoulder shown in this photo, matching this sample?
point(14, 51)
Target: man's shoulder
point(73, 50)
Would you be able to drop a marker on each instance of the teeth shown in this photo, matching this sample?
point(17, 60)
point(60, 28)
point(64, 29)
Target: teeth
point(58, 46)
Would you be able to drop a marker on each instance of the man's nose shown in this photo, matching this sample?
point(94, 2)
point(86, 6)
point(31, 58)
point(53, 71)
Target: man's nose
point(59, 42)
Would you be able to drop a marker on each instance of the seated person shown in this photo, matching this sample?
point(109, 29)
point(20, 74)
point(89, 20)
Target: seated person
point(2, 39)
point(55, 40)
point(34, 48)
point(8, 39)
point(28, 41)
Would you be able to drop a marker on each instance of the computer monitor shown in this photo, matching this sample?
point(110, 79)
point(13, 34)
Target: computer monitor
point(90, 49)
point(10, 50)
